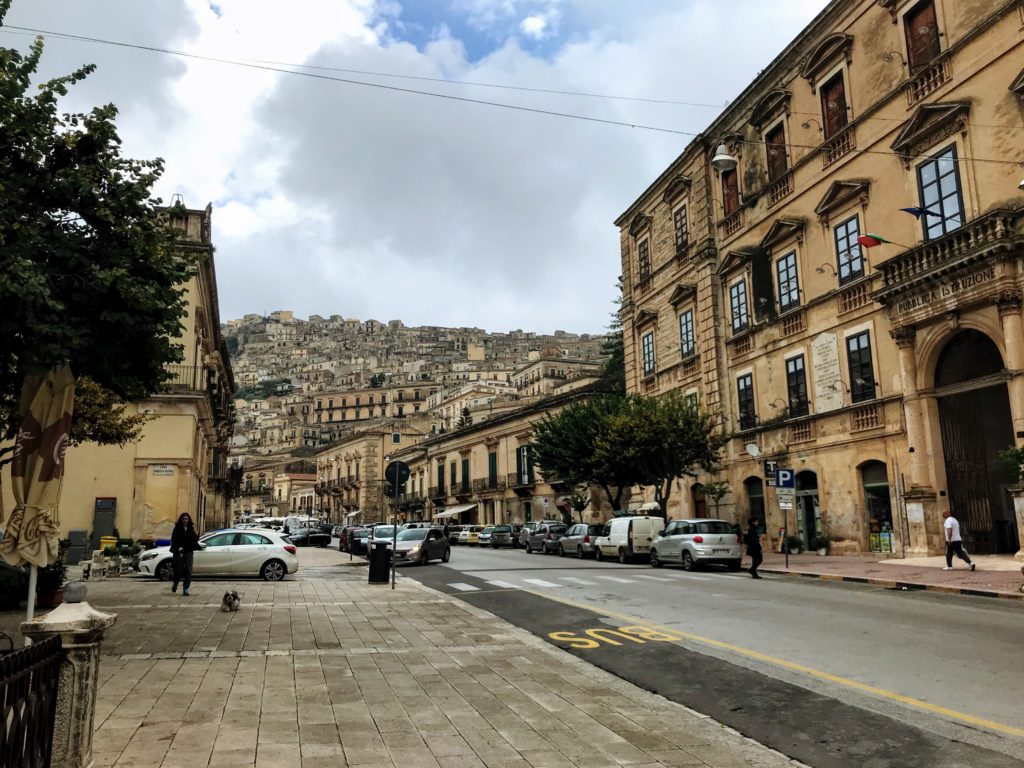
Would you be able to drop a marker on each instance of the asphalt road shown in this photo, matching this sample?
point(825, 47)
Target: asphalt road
point(831, 674)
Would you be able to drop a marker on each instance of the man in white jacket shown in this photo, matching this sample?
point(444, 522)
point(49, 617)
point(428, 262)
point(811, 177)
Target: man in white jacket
point(954, 542)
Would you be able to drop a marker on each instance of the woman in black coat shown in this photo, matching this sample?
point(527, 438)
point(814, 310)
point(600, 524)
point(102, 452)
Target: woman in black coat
point(184, 542)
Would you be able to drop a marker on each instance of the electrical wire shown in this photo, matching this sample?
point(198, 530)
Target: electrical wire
point(446, 96)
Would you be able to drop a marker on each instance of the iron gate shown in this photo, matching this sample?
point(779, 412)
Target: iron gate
point(28, 703)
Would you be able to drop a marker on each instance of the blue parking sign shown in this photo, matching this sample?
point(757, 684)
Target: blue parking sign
point(785, 478)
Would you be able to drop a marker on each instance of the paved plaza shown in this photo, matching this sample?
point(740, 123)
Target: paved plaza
point(326, 670)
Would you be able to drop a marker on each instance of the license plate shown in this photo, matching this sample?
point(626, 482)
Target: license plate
point(722, 551)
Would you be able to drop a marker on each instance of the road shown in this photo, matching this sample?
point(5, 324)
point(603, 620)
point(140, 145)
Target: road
point(831, 674)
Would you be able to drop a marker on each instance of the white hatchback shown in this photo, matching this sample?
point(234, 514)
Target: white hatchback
point(252, 552)
point(697, 541)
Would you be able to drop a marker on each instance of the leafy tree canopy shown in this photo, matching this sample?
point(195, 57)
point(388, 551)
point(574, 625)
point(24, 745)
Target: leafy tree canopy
point(88, 275)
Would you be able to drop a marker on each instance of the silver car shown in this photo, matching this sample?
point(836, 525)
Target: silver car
point(421, 545)
point(693, 542)
point(252, 552)
point(579, 540)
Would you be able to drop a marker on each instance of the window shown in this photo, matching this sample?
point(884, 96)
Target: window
point(682, 227)
point(644, 259)
point(524, 466)
point(396, 437)
point(738, 303)
point(730, 192)
point(922, 31)
point(465, 474)
point(745, 397)
point(833, 106)
point(648, 353)
point(453, 474)
point(220, 540)
point(687, 342)
point(692, 400)
point(796, 386)
point(775, 146)
point(789, 288)
point(492, 470)
point(938, 179)
point(440, 477)
point(848, 253)
point(862, 375)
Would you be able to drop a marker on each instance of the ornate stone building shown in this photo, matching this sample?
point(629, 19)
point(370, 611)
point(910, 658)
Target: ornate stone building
point(888, 372)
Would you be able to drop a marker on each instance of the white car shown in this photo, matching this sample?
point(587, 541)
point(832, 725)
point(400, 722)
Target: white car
point(253, 552)
point(628, 537)
point(698, 541)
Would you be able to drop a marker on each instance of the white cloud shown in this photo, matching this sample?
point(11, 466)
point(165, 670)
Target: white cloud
point(338, 198)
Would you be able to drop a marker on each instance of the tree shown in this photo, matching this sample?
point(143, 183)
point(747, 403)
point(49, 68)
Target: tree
point(579, 500)
point(90, 275)
point(465, 419)
point(716, 492)
point(566, 446)
point(613, 375)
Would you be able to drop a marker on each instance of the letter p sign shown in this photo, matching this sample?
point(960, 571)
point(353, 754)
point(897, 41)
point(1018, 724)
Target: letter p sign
point(785, 478)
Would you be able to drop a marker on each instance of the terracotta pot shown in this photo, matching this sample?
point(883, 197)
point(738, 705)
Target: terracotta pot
point(49, 598)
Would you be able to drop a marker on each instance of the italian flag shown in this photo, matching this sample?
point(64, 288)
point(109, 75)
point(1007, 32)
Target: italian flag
point(870, 241)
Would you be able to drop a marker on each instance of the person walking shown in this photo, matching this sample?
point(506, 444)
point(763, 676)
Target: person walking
point(184, 543)
point(954, 541)
point(753, 541)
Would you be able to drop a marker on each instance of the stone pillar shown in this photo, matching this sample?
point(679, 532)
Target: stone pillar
point(1009, 304)
point(1017, 492)
point(81, 628)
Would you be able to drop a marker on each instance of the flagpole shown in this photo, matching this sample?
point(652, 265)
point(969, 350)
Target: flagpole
point(30, 610)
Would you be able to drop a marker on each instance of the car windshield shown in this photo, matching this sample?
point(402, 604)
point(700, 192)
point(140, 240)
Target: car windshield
point(362, 534)
point(412, 534)
point(488, 530)
point(595, 530)
point(384, 532)
point(712, 526)
point(502, 529)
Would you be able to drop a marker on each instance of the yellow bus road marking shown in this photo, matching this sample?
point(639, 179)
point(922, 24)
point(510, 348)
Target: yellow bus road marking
point(636, 634)
point(783, 663)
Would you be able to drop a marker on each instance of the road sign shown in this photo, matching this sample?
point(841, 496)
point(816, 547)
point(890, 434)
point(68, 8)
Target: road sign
point(785, 478)
point(396, 473)
point(770, 468)
point(787, 497)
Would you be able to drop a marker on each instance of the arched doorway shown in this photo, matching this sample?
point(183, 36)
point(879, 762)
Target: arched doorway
point(753, 487)
point(700, 502)
point(808, 510)
point(974, 414)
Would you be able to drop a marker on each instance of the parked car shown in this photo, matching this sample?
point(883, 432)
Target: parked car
point(579, 540)
point(453, 534)
point(524, 533)
point(470, 534)
point(337, 530)
point(505, 536)
point(255, 552)
point(385, 533)
point(309, 537)
point(545, 538)
point(628, 537)
point(484, 540)
point(421, 545)
point(693, 542)
point(358, 541)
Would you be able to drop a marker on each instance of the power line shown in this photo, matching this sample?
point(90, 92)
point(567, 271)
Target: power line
point(449, 97)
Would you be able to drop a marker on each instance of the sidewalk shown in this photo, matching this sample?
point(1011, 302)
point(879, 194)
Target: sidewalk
point(995, 576)
point(326, 670)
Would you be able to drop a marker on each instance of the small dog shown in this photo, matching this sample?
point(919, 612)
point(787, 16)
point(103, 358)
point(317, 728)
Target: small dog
point(230, 602)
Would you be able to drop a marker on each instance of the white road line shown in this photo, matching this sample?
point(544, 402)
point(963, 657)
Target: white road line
point(464, 587)
point(652, 578)
point(574, 580)
point(540, 583)
point(504, 584)
point(616, 578)
point(695, 577)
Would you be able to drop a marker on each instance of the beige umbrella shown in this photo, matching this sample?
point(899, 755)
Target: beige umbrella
point(37, 470)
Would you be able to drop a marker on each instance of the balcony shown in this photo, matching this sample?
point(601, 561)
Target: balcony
point(929, 79)
point(462, 491)
point(780, 188)
point(521, 484)
point(793, 323)
point(732, 223)
point(838, 145)
point(184, 378)
point(438, 493)
point(854, 298)
point(489, 485)
point(867, 417)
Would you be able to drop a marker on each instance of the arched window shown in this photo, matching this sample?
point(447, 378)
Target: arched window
point(700, 504)
point(753, 487)
point(877, 506)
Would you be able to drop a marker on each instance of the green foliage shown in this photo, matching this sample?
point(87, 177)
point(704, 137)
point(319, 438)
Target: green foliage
point(1011, 463)
point(465, 420)
point(819, 542)
point(90, 276)
point(264, 389)
point(579, 500)
point(794, 543)
point(100, 416)
point(716, 492)
point(613, 376)
point(52, 576)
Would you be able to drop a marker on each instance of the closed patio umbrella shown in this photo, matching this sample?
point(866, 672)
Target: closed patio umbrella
point(37, 470)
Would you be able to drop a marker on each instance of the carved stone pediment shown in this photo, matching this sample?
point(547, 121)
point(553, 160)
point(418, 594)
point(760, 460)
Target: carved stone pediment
point(890, 6)
point(682, 292)
point(928, 126)
point(678, 186)
point(1017, 86)
point(825, 54)
point(782, 230)
point(839, 194)
point(737, 259)
point(640, 222)
point(772, 105)
point(645, 317)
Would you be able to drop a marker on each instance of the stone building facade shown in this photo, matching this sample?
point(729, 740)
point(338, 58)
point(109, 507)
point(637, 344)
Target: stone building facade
point(888, 375)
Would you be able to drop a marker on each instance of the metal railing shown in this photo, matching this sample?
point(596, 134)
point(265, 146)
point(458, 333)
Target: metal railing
point(28, 703)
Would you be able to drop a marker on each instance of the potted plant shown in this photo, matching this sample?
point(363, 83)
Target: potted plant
point(794, 544)
point(820, 543)
point(50, 580)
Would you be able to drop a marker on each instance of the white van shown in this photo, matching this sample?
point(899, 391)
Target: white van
point(628, 537)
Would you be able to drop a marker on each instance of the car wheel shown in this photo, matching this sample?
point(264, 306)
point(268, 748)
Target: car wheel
point(447, 555)
point(165, 571)
point(655, 562)
point(561, 551)
point(688, 564)
point(624, 556)
point(424, 558)
point(579, 552)
point(529, 549)
point(495, 545)
point(545, 549)
point(733, 565)
point(598, 554)
point(273, 570)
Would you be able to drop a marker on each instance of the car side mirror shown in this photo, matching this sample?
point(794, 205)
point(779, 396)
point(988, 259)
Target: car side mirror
point(662, 532)
point(202, 545)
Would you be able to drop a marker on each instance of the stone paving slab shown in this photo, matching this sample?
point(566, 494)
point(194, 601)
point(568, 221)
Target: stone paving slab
point(329, 671)
point(996, 576)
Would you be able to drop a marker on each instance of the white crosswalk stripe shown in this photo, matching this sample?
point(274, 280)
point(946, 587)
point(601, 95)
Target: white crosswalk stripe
point(464, 587)
point(582, 582)
point(693, 576)
point(540, 583)
point(652, 578)
point(503, 584)
point(616, 579)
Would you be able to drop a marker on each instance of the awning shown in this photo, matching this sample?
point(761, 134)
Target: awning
point(351, 514)
point(454, 511)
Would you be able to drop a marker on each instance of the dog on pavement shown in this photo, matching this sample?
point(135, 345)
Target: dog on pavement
point(230, 601)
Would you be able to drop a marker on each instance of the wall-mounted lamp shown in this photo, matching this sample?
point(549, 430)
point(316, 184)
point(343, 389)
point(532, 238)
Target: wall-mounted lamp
point(807, 124)
point(1021, 185)
point(722, 160)
point(820, 269)
point(840, 383)
point(778, 402)
point(890, 56)
point(865, 383)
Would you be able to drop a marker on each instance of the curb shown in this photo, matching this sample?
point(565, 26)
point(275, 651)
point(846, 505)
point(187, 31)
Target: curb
point(907, 585)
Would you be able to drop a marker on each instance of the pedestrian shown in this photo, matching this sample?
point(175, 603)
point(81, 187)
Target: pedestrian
point(954, 542)
point(753, 542)
point(184, 543)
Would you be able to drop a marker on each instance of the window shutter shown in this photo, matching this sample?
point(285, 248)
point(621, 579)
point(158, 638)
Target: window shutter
point(922, 31)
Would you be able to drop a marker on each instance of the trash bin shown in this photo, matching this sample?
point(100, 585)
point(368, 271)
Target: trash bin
point(380, 564)
point(108, 541)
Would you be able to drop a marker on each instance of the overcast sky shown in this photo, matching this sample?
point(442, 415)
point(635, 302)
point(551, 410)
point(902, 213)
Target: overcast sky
point(335, 198)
